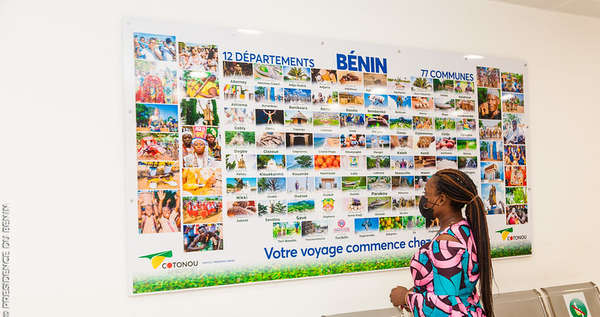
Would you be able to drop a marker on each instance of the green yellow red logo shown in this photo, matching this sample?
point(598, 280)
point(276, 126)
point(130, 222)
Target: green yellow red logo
point(157, 258)
point(505, 232)
point(577, 308)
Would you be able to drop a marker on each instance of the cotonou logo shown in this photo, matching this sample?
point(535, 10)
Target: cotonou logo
point(577, 308)
point(157, 258)
point(506, 235)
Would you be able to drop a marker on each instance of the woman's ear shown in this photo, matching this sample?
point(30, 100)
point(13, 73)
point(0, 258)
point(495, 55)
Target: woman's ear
point(444, 198)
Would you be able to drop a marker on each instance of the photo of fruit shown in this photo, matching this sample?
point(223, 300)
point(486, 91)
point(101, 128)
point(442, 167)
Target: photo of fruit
point(445, 144)
point(327, 162)
point(390, 223)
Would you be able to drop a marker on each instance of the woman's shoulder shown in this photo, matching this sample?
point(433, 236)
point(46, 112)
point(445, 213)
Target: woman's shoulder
point(461, 230)
point(447, 242)
point(456, 235)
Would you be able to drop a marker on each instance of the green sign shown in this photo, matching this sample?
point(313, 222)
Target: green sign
point(577, 308)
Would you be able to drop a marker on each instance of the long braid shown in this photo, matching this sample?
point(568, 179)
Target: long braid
point(461, 190)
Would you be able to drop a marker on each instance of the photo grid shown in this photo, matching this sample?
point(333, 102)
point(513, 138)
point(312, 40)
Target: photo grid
point(306, 147)
point(300, 148)
point(502, 131)
point(178, 140)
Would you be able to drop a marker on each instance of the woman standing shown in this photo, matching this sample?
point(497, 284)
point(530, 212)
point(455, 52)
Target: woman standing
point(446, 270)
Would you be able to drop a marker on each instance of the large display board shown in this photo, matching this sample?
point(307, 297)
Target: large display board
point(255, 157)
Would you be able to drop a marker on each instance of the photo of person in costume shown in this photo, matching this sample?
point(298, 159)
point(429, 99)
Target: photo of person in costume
point(200, 181)
point(200, 144)
point(157, 146)
point(199, 112)
point(155, 82)
point(197, 84)
point(198, 157)
point(206, 209)
point(517, 215)
point(199, 57)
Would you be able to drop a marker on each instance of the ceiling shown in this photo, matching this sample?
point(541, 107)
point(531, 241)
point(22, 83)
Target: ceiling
point(590, 8)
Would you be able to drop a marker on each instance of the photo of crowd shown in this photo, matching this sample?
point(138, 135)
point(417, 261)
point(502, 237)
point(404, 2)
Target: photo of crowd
point(203, 237)
point(154, 47)
point(158, 211)
point(198, 57)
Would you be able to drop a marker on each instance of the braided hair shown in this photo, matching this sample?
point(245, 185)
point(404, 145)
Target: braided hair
point(461, 191)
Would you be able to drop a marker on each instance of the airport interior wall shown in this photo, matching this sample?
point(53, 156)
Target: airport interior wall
point(63, 145)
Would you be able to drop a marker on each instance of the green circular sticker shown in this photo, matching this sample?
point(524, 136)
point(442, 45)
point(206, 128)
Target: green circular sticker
point(577, 308)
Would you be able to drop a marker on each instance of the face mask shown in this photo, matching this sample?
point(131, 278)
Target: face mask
point(426, 212)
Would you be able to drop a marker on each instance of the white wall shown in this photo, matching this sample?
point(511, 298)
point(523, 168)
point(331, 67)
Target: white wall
point(62, 144)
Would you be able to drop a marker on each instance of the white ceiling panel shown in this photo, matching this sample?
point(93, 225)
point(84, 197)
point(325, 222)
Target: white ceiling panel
point(589, 8)
point(542, 4)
